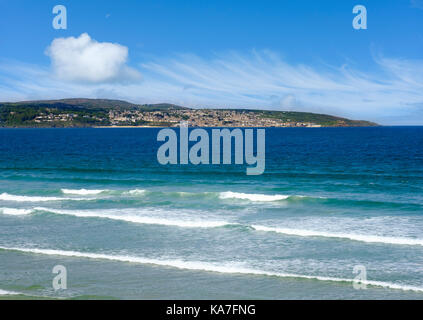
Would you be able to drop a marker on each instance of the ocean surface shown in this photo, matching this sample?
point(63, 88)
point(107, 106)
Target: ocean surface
point(125, 227)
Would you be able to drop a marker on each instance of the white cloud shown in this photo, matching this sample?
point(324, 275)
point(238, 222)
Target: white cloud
point(83, 59)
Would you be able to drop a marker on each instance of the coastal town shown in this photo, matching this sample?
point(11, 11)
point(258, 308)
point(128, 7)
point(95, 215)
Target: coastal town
point(115, 113)
point(202, 118)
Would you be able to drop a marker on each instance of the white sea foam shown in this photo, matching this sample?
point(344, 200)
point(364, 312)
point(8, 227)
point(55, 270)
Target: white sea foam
point(16, 212)
point(135, 192)
point(187, 194)
point(11, 197)
point(137, 218)
point(83, 192)
point(7, 293)
point(252, 197)
point(229, 267)
point(355, 237)
point(194, 194)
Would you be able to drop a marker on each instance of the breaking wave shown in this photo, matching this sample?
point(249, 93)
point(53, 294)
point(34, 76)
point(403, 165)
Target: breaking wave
point(137, 218)
point(11, 197)
point(229, 267)
point(252, 197)
point(82, 192)
point(7, 293)
point(16, 212)
point(135, 192)
point(158, 217)
point(355, 237)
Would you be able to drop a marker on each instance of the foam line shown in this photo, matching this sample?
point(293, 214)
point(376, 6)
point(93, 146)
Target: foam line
point(209, 267)
point(138, 218)
point(82, 192)
point(252, 197)
point(7, 293)
point(16, 212)
point(11, 197)
point(355, 237)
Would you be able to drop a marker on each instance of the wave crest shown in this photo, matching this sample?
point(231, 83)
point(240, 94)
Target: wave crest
point(82, 192)
point(355, 237)
point(16, 212)
point(142, 219)
point(135, 192)
point(229, 267)
point(11, 197)
point(7, 293)
point(252, 197)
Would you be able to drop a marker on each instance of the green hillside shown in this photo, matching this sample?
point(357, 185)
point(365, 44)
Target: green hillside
point(96, 112)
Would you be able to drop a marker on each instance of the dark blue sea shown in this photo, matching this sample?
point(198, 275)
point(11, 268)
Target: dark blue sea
point(333, 204)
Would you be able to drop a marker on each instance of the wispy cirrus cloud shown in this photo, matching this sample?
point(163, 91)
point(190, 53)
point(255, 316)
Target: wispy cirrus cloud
point(260, 79)
point(265, 80)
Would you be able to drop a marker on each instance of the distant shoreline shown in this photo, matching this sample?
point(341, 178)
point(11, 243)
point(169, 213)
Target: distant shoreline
point(161, 127)
point(105, 113)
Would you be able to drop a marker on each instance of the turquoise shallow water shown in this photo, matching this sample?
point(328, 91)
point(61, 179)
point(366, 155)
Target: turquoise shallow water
point(97, 202)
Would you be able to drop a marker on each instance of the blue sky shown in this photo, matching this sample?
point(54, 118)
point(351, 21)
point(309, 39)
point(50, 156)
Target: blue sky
point(280, 55)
